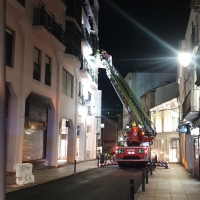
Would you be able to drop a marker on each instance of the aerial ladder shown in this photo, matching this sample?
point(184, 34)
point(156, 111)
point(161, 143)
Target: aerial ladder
point(141, 129)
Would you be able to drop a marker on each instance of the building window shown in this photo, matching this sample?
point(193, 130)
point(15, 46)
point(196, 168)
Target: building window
point(80, 94)
point(79, 89)
point(196, 148)
point(48, 71)
point(36, 65)
point(73, 40)
point(9, 47)
point(74, 10)
point(68, 83)
point(22, 2)
point(198, 68)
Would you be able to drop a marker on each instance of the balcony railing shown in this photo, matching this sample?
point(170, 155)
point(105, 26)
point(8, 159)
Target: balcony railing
point(89, 110)
point(95, 43)
point(81, 99)
point(85, 35)
point(41, 17)
point(85, 66)
point(71, 48)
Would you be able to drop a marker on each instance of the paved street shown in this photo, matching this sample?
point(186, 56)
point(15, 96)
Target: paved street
point(110, 182)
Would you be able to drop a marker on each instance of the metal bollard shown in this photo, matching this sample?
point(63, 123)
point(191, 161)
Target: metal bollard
point(74, 166)
point(151, 168)
point(147, 171)
point(131, 189)
point(143, 178)
point(98, 161)
point(153, 165)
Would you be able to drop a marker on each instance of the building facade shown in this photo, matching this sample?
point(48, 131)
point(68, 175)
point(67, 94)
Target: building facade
point(51, 81)
point(165, 117)
point(159, 99)
point(141, 83)
point(189, 82)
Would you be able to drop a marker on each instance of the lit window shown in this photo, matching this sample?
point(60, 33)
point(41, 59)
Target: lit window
point(68, 83)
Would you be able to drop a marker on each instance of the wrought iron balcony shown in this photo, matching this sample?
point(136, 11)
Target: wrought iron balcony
point(81, 99)
point(86, 35)
point(73, 49)
point(41, 17)
point(89, 110)
point(86, 68)
point(95, 43)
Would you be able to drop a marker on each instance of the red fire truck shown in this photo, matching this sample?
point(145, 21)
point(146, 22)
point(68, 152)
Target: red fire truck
point(140, 132)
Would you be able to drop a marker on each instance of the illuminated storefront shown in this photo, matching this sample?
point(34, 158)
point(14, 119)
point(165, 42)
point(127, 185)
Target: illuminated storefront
point(63, 139)
point(195, 134)
point(35, 130)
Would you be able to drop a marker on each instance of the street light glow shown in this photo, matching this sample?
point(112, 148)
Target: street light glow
point(184, 58)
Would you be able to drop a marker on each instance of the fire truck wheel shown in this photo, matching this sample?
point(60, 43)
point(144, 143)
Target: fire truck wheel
point(120, 164)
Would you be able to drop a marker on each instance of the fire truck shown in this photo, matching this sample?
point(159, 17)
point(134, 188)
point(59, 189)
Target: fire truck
point(140, 131)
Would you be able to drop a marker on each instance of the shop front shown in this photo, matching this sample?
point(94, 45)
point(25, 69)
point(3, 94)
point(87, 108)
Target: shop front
point(35, 129)
point(196, 138)
point(63, 139)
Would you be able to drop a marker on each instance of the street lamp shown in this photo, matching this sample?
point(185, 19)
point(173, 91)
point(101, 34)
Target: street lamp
point(185, 58)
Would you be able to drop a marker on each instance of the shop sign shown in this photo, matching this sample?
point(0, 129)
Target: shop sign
point(195, 131)
point(35, 124)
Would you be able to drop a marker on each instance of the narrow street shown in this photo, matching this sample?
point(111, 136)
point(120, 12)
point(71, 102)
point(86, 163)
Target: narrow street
point(110, 182)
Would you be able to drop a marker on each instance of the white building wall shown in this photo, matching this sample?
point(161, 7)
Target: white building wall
point(166, 143)
point(187, 79)
point(21, 84)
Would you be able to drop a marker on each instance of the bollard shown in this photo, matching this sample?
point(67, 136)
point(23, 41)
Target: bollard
point(151, 168)
point(98, 161)
point(147, 171)
point(102, 159)
point(74, 166)
point(143, 183)
point(131, 189)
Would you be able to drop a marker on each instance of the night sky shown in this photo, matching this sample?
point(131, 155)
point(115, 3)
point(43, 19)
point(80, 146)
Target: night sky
point(141, 35)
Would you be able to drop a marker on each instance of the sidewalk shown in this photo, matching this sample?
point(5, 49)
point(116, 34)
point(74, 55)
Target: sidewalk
point(170, 184)
point(164, 184)
point(49, 174)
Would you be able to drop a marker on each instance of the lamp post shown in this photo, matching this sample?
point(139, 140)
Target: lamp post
point(2, 100)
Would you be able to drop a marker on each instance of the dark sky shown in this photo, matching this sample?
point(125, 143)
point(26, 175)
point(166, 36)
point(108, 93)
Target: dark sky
point(141, 35)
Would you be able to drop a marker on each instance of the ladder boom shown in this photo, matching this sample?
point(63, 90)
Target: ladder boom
point(128, 99)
